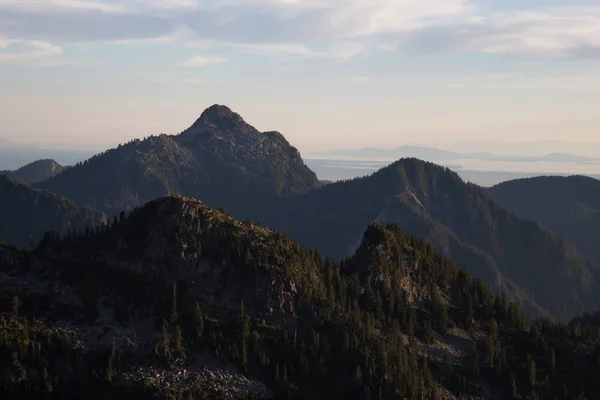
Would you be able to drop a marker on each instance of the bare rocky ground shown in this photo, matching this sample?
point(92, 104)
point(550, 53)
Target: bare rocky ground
point(206, 372)
point(456, 346)
point(214, 377)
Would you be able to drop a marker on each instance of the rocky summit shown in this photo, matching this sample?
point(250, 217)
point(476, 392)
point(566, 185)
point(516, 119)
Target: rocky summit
point(216, 160)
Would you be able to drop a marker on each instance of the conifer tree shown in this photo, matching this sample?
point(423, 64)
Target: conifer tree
point(198, 322)
point(174, 315)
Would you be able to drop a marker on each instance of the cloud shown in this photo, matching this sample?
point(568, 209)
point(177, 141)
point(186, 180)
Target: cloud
point(554, 32)
point(325, 21)
point(330, 29)
point(581, 82)
point(362, 79)
point(167, 4)
point(275, 48)
point(422, 25)
point(81, 21)
point(200, 61)
point(22, 50)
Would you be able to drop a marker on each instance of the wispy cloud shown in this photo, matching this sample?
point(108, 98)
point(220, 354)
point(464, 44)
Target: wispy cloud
point(167, 4)
point(275, 48)
point(27, 50)
point(362, 79)
point(553, 31)
point(201, 61)
point(58, 6)
point(332, 29)
point(71, 21)
point(581, 82)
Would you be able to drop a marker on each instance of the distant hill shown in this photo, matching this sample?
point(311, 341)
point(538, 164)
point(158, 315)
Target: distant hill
point(36, 171)
point(220, 159)
point(14, 156)
point(336, 169)
point(422, 152)
point(438, 155)
point(568, 205)
point(26, 214)
point(461, 220)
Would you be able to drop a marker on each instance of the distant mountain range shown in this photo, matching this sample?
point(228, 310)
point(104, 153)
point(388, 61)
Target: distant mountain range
point(14, 156)
point(434, 154)
point(334, 169)
point(225, 162)
point(36, 171)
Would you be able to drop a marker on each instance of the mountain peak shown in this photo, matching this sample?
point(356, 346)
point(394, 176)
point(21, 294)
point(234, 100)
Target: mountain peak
point(221, 117)
point(36, 171)
point(217, 110)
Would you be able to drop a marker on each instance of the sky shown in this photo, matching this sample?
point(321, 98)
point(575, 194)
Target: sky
point(325, 73)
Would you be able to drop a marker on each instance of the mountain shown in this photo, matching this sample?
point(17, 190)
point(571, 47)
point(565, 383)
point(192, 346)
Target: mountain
point(225, 162)
point(220, 159)
point(179, 300)
point(36, 171)
point(439, 155)
point(26, 214)
point(461, 220)
point(13, 155)
point(569, 206)
point(422, 152)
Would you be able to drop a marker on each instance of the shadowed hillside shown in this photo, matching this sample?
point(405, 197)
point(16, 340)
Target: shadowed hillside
point(178, 300)
point(569, 206)
point(26, 214)
point(459, 219)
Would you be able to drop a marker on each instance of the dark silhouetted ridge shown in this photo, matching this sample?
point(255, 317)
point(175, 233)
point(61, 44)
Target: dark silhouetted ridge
point(461, 220)
point(569, 206)
point(36, 171)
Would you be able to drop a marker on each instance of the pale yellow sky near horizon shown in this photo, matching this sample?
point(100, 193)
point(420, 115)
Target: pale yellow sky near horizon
point(100, 123)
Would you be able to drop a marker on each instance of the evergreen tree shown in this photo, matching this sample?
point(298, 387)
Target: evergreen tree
point(198, 322)
point(174, 314)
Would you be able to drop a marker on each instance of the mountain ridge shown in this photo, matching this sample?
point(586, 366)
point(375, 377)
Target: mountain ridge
point(568, 205)
point(216, 163)
point(36, 171)
point(114, 314)
point(226, 162)
point(26, 214)
point(458, 218)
